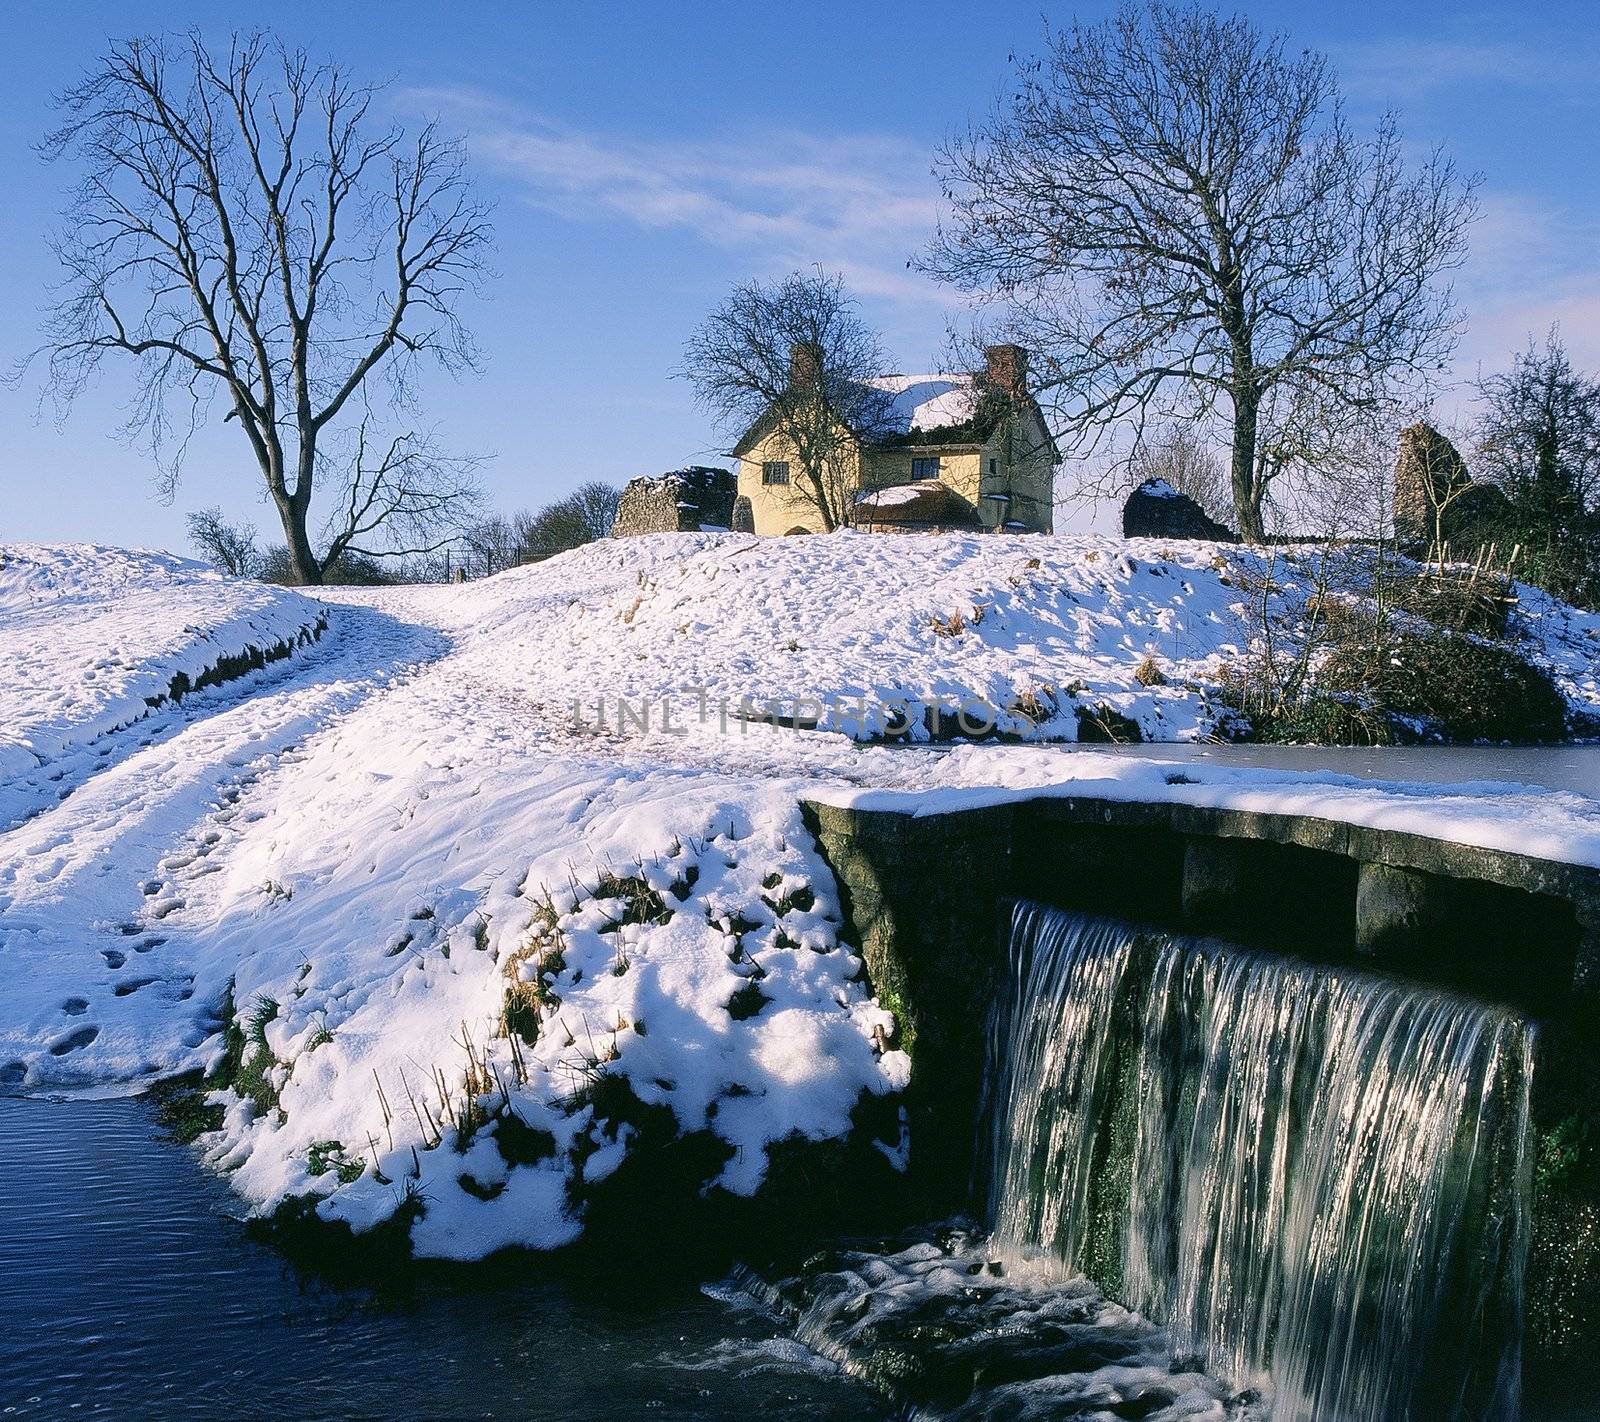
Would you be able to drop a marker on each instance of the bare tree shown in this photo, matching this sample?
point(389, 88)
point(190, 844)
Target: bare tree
point(1186, 461)
point(489, 544)
point(495, 542)
point(228, 547)
point(793, 361)
point(248, 230)
point(400, 489)
point(1173, 212)
point(556, 528)
point(596, 504)
point(1351, 493)
point(1539, 439)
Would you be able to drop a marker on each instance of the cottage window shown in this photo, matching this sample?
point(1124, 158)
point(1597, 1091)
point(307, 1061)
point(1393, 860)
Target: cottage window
point(925, 468)
point(994, 466)
point(775, 471)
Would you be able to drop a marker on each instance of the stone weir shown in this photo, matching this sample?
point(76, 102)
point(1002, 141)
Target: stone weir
point(930, 898)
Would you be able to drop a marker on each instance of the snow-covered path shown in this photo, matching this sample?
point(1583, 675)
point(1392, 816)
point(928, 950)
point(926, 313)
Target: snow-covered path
point(356, 845)
point(96, 947)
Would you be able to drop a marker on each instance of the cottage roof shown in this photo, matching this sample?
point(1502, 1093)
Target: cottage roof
point(946, 410)
point(927, 402)
point(923, 409)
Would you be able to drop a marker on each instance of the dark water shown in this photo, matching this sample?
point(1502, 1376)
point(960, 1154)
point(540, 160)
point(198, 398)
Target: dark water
point(126, 1291)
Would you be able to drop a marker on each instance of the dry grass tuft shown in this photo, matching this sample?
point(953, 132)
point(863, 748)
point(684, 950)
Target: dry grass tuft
point(1149, 673)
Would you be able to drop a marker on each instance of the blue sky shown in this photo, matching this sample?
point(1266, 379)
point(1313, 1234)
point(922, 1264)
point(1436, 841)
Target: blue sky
point(642, 158)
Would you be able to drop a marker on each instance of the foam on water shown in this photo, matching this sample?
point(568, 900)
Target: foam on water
point(937, 1321)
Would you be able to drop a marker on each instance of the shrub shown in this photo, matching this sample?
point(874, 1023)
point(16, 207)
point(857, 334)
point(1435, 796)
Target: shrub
point(1451, 686)
point(1321, 720)
point(1101, 725)
point(1382, 651)
point(1461, 604)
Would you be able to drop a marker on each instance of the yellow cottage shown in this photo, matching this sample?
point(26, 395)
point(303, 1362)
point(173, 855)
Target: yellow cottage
point(957, 451)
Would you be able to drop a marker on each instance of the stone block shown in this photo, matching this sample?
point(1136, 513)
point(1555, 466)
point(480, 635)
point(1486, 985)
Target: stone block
point(1400, 913)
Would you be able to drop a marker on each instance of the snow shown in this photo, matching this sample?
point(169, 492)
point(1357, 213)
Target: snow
point(927, 402)
point(1557, 825)
point(1158, 489)
point(896, 494)
point(539, 785)
point(417, 893)
point(845, 628)
point(137, 620)
point(848, 629)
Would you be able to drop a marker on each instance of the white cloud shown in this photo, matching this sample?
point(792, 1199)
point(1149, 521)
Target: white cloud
point(1495, 331)
point(1398, 68)
point(861, 205)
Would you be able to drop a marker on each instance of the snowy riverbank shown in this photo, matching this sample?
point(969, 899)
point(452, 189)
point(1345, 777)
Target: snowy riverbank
point(472, 951)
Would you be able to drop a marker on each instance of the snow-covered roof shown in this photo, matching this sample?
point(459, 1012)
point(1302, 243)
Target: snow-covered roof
point(919, 405)
point(926, 502)
point(1158, 489)
point(928, 402)
point(894, 494)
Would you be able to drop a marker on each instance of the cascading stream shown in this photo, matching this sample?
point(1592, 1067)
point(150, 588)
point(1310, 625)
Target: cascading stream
point(1316, 1178)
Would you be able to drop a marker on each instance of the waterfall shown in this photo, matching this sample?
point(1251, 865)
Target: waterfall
point(1316, 1178)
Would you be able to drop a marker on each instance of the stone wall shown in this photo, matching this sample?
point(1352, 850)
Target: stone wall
point(926, 896)
point(684, 501)
point(928, 899)
point(1435, 495)
point(1156, 510)
point(1428, 471)
point(922, 897)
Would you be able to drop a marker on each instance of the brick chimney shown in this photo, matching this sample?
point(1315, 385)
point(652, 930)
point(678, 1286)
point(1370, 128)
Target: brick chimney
point(805, 365)
point(1006, 370)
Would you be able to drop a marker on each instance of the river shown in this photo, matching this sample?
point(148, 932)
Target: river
point(131, 1293)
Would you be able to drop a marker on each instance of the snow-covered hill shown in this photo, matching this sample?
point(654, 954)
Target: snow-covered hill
point(1038, 637)
point(457, 950)
point(92, 637)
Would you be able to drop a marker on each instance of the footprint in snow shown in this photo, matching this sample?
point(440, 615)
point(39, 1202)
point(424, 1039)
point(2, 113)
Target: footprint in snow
point(75, 1042)
point(114, 957)
point(75, 1006)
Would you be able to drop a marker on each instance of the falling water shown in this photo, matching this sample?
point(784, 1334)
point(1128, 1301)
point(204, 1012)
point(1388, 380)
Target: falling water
point(1318, 1179)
